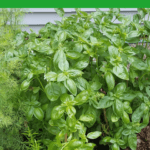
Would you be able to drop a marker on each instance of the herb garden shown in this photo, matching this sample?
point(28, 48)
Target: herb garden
point(78, 84)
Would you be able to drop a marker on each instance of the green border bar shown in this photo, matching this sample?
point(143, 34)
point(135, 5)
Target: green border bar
point(75, 4)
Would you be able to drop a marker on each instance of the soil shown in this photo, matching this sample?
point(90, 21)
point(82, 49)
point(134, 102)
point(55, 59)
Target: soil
point(143, 139)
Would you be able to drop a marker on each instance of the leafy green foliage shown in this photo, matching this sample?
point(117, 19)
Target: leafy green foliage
point(12, 119)
point(70, 97)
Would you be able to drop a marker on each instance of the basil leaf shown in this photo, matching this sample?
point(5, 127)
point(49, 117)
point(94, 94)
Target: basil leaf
point(137, 114)
point(128, 96)
point(74, 73)
point(25, 85)
point(118, 108)
point(113, 51)
point(50, 76)
point(115, 146)
point(82, 97)
point(70, 110)
point(132, 140)
point(120, 88)
point(114, 118)
point(148, 90)
point(60, 11)
point(121, 72)
point(61, 77)
point(30, 112)
point(110, 81)
point(71, 121)
point(57, 112)
point(125, 118)
point(67, 99)
point(82, 63)
point(105, 102)
point(71, 86)
point(63, 63)
point(133, 34)
point(81, 83)
point(73, 54)
point(139, 64)
point(52, 91)
point(127, 132)
point(94, 135)
point(38, 113)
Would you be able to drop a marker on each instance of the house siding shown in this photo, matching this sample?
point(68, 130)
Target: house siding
point(36, 18)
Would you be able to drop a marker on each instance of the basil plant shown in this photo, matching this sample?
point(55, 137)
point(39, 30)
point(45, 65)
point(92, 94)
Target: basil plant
point(83, 81)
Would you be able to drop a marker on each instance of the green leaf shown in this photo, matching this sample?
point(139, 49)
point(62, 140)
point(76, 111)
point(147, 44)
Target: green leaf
point(86, 118)
point(146, 118)
point(71, 86)
point(127, 132)
point(78, 47)
point(121, 72)
point(70, 110)
point(82, 62)
point(57, 112)
point(71, 121)
point(120, 142)
point(128, 96)
point(133, 34)
point(73, 54)
point(110, 81)
point(105, 102)
point(51, 76)
point(132, 140)
point(147, 24)
point(53, 130)
point(148, 90)
point(118, 134)
point(115, 146)
point(96, 85)
point(106, 139)
point(118, 108)
point(53, 91)
point(120, 88)
point(63, 63)
point(67, 99)
point(36, 89)
point(61, 77)
point(82, 97)
point(81, 83)
point(94, 135)
point(125, 117)
point(73, 144)
point(60, 60)
point(62, 36)
point(114, 118)
point(38, 113)
point(60, 11)
point(137, 114)
point(139, 64)
point(30, 112)
point(19, 38)
point(113, 51)
point(74, 73)
point(25, 85)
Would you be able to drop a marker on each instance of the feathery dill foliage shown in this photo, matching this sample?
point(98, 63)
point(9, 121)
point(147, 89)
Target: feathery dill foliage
point(11, 113)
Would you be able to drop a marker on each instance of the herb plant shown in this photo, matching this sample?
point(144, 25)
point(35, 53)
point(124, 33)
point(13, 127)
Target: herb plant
point(11, 107)
point(82, 80)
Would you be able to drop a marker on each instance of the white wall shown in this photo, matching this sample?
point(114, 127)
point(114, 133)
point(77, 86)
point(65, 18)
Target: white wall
point(36, 18)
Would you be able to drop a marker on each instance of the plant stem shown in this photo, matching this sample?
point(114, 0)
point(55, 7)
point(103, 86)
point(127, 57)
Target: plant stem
point(91, 59)
point(66, 137)
point(104, 111)
point(41, 84)
point(142, 76)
